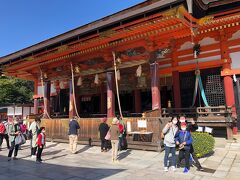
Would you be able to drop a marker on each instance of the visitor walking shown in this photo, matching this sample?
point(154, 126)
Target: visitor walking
point(41, 142)
point(13, 132)
point(4, 133)
point(169, 132)
point(184, 140)
point(103, 129)
point(33, 130)
point(73, 134)
point(114, 136)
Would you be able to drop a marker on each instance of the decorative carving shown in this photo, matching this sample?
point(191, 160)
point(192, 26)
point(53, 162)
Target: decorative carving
point(132, 52)
point(62, 48)
point(30, 58)
point(107, 33)
point(93, 61)
point(205, 20)
point(162, 52)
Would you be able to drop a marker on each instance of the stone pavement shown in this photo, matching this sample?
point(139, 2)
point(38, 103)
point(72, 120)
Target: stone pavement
point(90, 163)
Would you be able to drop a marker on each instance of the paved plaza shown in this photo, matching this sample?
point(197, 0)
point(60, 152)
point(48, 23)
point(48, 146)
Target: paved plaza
point(90, 163)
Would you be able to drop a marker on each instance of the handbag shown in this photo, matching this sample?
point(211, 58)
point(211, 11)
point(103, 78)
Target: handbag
point(19, 139)
point(108, 135)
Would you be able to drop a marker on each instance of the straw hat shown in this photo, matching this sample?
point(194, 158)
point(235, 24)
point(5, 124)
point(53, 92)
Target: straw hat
point(115, 121)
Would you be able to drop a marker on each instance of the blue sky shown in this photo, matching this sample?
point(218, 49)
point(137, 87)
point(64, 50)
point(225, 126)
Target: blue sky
point(27, 22)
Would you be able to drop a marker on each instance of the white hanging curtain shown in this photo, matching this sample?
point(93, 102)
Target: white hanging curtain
point(96, 80)
point(118, 75)
point(61, 84)
point(139, 71)
point(79, 82)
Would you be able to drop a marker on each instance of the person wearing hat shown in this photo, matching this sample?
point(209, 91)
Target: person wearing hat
point(103, 129)
point(73, 134)
point(114, 137)
point(192, 127)
point(184, 140)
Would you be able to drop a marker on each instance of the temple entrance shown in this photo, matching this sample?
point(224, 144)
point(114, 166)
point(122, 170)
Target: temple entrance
point(126, 99)
point(89, 105)
point(146, 100)
point(212, 84)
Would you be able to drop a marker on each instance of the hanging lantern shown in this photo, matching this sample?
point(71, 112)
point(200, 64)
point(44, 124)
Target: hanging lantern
point(139, 71)
point(118, 75)
point(79, 82)
point(96, 80)
point(45, 75)
point(77, 69)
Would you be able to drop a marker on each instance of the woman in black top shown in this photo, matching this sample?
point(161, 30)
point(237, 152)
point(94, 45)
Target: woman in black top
point(103, 129)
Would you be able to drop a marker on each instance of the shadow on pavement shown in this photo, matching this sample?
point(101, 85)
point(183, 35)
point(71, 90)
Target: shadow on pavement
point(26, 169)
point(52, 145)
point(85, 148)
point(125, 154)
point(52, 152)
point(55, 157)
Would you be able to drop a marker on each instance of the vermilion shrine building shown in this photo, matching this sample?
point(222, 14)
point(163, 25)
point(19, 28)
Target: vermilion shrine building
point(155, 42)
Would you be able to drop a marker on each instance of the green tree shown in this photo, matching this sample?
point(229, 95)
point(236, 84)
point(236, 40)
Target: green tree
point(16, 91)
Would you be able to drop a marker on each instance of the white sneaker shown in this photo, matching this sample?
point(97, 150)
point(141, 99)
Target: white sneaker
point(173, 168)
point(166, 169)
point(33, 157)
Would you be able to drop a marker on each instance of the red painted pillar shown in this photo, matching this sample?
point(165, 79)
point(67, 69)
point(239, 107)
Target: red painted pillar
point(110, 95)
point(103, 106)
point(72, 111)
point(156, 102)
point(137, 100)
point(176, 89)
point(46, 98)
point(35, 107)
point(229, 92)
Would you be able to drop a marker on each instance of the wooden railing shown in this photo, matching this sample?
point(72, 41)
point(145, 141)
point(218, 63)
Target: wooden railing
point(197, 112)
point(57, 129)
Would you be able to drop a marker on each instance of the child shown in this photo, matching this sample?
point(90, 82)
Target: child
point(184, 140)
point(41, 141)
point(169, 132)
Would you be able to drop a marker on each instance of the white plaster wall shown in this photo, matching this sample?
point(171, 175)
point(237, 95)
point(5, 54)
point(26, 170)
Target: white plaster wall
point(235, 60)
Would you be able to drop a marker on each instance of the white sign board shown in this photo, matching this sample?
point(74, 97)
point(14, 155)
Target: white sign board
point(200, 129)
point(18, 111)
point(10, 111)
point(208, 130)
point(142, 123)
point(26, 111)
point(129, 128)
